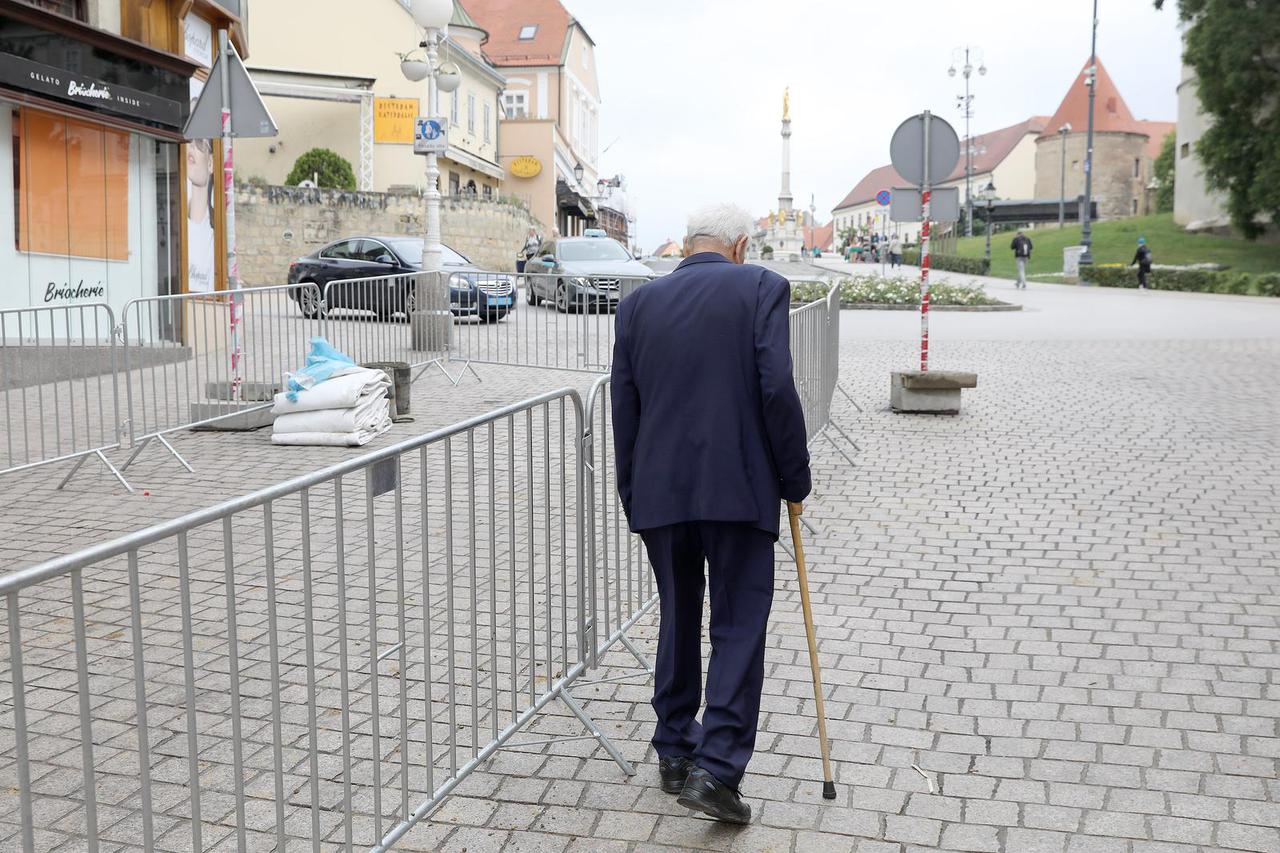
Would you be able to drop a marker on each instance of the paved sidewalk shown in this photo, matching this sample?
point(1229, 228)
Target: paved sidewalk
point(1049, 624)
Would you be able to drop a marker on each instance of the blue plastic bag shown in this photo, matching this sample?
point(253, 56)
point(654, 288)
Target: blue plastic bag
point(323, 362)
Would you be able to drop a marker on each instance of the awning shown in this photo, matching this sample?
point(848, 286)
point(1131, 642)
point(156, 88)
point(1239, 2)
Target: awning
point(567, 199)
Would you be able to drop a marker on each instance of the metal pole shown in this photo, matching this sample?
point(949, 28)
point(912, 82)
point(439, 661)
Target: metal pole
point(1062, 187)
point(235, 304)
point(968, 153)
point(925, 197)
point(1086, 231)
point(988, 230)
point(431, 242)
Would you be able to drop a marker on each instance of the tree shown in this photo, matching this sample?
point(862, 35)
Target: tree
point(331, 170)
point(1234, 47)
point(1165, 173)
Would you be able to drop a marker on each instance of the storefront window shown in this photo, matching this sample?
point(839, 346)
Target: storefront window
point(67, 8)
point(90, 212)
point(71, 180)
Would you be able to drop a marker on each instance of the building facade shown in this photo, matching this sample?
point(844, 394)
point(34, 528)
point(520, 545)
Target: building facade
point(1005, 158)
point(549, 135)
point(1124, 150)
point(1195, 206)
point(332, 79)
point(101, 200)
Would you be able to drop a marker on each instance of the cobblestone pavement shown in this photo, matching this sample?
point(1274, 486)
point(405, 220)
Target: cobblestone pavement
point(1049, 624)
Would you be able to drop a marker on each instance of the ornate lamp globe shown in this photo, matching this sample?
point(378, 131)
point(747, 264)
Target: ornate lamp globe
point(431, 14)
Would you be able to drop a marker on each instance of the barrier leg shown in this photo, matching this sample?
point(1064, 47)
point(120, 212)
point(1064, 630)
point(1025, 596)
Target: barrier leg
point(848, 396)
point(136, 451)
point(72, 472)
point(176, 454)
point(609, 746)
point(837, 446)
point(631, 647)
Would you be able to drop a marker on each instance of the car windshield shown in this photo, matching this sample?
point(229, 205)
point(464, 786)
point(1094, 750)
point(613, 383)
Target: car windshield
point(594, 249)
point(410, 248)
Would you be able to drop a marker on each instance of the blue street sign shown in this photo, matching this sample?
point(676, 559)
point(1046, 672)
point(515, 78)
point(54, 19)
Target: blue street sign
point(883, 198)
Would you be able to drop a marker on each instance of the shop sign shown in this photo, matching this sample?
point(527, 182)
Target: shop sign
point(393, 119)
point(526, 166)
point(78, 89)
point(197, 40)
point(65, 292)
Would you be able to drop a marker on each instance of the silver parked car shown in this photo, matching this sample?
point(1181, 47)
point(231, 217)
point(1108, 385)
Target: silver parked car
point(581, 273)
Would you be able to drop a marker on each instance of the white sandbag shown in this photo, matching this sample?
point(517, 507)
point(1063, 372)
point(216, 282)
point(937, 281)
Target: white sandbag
point(368, 412)
point(340, 392)
point(356, 438)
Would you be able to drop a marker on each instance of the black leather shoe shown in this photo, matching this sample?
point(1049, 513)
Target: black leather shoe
point(707, 794)
point(673, 772)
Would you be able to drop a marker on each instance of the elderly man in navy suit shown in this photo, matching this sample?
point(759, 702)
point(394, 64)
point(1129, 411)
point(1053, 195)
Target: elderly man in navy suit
point(710, 438)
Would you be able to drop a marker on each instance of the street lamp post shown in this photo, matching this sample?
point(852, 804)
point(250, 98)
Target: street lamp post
point(1062, 187)
point(965, 103)
point(432, 16)
point(1086, 230)
point(989, 193)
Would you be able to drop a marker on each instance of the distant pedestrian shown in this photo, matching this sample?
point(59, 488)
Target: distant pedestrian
point(531, 245)
point(1021, 246)
point(1142, 258)
point(895, 251)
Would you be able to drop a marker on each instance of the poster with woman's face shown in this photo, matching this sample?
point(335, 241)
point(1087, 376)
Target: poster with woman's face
point(201, 267)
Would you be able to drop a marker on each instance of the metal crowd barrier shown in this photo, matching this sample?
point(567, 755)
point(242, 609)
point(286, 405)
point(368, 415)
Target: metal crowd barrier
point(59, 377)
point(195, 359)
point(562, 322)
point(621, 585)
point(391, 318)
point(326, 658)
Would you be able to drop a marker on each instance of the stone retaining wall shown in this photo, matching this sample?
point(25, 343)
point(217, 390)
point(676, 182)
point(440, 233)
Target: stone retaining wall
point(275, 225)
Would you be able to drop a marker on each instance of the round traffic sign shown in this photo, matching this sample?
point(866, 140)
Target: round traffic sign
point(906, 149)
point(883, 198)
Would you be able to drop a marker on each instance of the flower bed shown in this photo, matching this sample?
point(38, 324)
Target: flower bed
point(872, 290)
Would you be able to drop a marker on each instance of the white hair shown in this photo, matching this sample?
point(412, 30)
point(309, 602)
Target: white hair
point(724, 223)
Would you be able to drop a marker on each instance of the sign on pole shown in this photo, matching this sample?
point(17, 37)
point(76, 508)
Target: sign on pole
point(924, 149)
point(430, 136)
point(249, 115)
point(883, 198)
point(907, 205)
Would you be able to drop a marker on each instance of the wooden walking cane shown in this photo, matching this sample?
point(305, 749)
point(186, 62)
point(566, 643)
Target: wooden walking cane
point(828, 784)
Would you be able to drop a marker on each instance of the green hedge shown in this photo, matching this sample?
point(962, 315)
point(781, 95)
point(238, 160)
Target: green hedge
point(1191, 280)
point(954, 263)
point(895, 290)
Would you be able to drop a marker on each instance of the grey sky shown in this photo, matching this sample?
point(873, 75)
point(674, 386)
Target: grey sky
point(692, 89)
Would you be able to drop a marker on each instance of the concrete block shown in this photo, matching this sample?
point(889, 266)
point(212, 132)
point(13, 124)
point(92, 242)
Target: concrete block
point(254, 392)
point(235, 417)
point(928, 393)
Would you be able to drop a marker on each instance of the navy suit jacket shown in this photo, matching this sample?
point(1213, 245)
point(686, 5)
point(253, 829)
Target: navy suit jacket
point(707, 423)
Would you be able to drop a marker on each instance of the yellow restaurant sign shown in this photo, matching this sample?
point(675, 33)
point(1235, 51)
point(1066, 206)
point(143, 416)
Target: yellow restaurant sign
point(526, 166)
point(393, 119)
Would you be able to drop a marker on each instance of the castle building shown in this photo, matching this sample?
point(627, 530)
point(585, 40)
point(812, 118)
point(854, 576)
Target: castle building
point(1124, 150)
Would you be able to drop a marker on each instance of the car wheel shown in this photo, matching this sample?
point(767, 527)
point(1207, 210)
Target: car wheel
point(529, 295)
point(309, 300)
point(562, 297)
point(410, 304)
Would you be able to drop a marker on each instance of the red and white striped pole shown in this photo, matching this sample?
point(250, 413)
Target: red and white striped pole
point(925, 197)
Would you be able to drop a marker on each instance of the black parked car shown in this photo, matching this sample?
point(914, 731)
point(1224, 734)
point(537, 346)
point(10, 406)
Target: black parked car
point(472, 292)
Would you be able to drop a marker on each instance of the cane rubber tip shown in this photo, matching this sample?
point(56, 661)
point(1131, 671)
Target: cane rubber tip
point(828, 790)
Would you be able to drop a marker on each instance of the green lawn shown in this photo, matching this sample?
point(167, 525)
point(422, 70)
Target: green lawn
point(1114, 242)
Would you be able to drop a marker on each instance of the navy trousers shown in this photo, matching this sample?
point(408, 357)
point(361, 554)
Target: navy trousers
point(740, 561)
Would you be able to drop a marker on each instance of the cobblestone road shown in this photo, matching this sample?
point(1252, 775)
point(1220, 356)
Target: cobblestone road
point(1049, 624)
